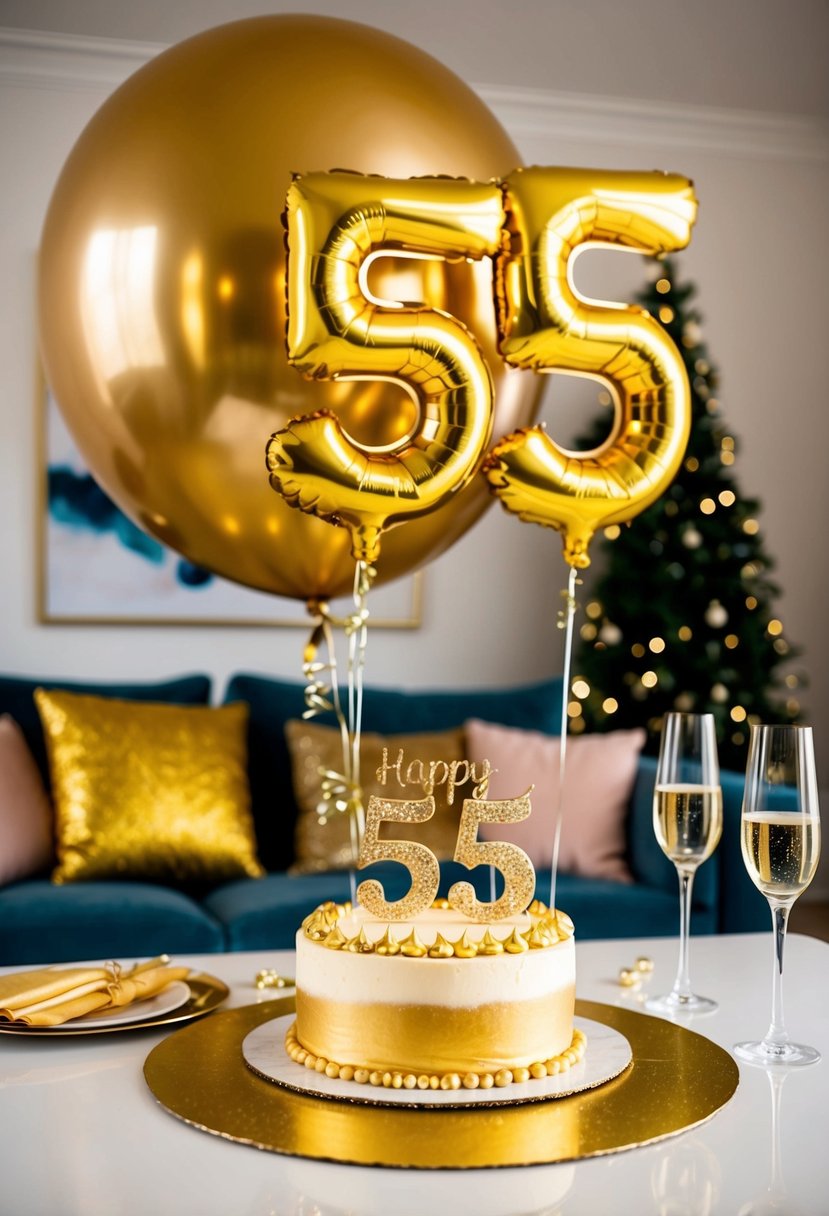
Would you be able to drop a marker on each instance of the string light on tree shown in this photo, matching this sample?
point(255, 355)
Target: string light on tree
point(690, 573)
point(715, 615)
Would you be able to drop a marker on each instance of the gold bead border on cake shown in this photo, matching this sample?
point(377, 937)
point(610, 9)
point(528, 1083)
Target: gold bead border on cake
point(548, 928)
point(400, 1079)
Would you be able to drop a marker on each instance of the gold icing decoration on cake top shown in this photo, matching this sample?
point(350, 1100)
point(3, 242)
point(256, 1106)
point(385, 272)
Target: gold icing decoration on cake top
point(547, 928)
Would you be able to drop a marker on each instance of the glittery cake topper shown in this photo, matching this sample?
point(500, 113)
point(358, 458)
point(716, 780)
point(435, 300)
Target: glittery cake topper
point(422, 864)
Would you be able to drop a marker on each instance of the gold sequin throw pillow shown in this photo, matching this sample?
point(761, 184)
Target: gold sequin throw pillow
point(145, 790)
point(315, 749)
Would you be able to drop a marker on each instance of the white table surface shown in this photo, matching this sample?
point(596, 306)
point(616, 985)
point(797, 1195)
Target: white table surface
point(81, 1134)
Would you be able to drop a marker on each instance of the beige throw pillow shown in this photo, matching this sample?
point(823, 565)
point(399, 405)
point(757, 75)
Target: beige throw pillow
point(314, 748)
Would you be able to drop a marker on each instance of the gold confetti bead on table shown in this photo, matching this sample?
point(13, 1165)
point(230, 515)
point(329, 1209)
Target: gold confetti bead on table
point(268, 978)
point(644, 964)
point(629, 977)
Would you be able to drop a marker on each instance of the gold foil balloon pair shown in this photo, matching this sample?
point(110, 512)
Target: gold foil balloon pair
point(162, 310)
point(529, 226)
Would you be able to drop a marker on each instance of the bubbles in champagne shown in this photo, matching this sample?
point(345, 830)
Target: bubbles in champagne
point(781, 851)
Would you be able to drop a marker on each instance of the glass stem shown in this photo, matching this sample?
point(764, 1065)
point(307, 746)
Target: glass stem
point(682, 983)
point(777, 1032)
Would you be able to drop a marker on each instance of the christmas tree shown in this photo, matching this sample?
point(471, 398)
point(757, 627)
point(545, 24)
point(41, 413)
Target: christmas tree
point(681, 616)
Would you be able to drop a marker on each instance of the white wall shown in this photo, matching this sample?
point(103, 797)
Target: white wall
point(758, 256)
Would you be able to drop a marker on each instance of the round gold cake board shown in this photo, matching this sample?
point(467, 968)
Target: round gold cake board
point(678, 1079)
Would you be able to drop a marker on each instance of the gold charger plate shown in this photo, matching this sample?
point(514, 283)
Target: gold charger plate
point(206, 994)
point(678, 1080)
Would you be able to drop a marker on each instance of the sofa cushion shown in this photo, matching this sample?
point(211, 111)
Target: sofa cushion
point(25, 812)
point(601, 908)
point(598, 780)
point(266, 915)
point(44, 923)
point(148, 790)
point(17, 699)
point(274, 702)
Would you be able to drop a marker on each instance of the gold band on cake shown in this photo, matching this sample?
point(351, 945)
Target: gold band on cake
point(404, 1078)
point(436, 1039)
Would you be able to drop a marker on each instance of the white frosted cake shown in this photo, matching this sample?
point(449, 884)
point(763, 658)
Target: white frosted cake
point(438, 1001)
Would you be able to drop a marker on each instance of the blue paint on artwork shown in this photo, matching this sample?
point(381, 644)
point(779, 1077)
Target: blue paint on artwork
point(75, 500)
point(192, 576)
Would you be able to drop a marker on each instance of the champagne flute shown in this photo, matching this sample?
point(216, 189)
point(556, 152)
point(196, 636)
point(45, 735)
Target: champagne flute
point(687, 820)
point(781, 846)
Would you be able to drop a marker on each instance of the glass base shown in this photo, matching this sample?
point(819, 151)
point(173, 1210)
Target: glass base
point(678, 1002)
point(765, 1053)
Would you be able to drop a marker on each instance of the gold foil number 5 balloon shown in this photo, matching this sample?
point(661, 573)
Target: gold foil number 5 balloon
point(338, 330)
point(545, 325)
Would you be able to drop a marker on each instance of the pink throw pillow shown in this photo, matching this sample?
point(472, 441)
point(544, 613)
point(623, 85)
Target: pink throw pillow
point(599, 774)
point(25, 811)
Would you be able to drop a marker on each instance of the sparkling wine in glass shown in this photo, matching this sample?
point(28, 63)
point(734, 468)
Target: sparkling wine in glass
point(781, 847)
point(687, 820)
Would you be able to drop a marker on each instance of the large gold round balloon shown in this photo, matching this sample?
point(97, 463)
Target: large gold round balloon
point(162, 284)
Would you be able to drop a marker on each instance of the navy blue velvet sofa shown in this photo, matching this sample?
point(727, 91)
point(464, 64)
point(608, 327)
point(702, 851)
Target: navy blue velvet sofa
point(42, 921)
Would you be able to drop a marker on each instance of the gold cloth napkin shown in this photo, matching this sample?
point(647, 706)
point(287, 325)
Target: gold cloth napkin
point(50, 996)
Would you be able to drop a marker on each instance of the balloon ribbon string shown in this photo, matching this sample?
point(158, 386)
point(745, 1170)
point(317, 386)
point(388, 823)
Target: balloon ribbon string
point(341, 791)
point(356, 628)
point(567, 625)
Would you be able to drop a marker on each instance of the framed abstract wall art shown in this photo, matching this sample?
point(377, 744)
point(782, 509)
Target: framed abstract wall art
point(95, 566)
